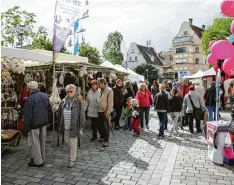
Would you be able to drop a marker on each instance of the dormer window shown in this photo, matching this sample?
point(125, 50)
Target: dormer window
point(185, 33)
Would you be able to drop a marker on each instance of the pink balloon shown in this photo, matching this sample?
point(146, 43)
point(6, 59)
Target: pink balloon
point(228, 66)
point(211, 43)
point(216, 68)
point(227, 8)
point(211, 59)
point(222, 49)
point(232, 26)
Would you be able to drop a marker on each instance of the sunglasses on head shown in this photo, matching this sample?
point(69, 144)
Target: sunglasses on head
point(70, 91)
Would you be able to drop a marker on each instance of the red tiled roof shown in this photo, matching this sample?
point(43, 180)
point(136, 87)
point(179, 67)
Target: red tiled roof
point(197, 30)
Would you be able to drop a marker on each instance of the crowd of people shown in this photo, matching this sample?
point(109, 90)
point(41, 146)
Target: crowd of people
point(104, 106)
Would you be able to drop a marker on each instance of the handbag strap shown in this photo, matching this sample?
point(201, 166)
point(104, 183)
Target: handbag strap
point(191, 102)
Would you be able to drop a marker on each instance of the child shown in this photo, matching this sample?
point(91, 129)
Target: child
point(128, 114)
point(175, 106)
point(136, 117)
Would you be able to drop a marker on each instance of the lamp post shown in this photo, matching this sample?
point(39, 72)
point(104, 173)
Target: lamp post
point(148, 43)
point(21, 34)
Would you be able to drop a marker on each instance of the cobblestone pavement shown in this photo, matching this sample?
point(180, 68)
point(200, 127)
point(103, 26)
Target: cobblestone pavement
point(127, 161)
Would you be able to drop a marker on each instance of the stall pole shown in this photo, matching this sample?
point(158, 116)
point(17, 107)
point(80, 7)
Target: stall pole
point(83, 86)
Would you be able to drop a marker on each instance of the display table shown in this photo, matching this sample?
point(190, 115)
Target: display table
point(10, 139)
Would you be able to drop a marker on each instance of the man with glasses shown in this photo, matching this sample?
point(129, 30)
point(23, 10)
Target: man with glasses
point(105, 106)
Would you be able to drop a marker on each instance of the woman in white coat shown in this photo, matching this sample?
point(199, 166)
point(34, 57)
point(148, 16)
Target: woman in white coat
point(92, 108)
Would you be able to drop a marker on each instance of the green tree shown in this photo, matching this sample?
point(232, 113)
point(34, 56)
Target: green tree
point(152, 72)
point(219, 30)
point(14, 20)
point(112, 48)
point(90, 52)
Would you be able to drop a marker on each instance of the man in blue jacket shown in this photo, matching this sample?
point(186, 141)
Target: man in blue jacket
point(37, 115)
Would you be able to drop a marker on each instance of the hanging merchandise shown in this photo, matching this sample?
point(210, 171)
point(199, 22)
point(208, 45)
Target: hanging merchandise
point(112, 76)
point(55, 98)
point(61, 79)
point(83, 71)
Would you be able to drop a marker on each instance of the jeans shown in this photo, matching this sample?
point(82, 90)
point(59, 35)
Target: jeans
point(127, 122)
point(162, 120)
point(103, 126)
point(175, 118)
point(145, 110)
point(190, 121)
point(211, 111)
point(185, 120)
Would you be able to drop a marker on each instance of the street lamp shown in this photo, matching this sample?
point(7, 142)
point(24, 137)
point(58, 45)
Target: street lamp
point(148, 43)
point(22, 29)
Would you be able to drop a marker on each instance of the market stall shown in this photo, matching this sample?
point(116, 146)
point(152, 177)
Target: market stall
point(134, 77)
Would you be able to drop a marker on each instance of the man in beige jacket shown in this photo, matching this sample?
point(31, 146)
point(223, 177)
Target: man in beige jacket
point(105, 107)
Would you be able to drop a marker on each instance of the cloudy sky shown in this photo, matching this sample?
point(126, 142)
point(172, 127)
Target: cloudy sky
point(138, 20)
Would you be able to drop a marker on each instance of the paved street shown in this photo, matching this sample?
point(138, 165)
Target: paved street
point(128, 160)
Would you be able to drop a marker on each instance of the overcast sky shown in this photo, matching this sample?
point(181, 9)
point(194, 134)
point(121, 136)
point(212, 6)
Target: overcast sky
point(138, 20)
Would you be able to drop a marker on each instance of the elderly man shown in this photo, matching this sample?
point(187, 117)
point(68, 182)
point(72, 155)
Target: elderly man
point(37, 115)
point(105, 106)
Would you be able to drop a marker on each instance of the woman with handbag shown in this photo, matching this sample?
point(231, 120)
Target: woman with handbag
point(71, 120)
point(193, 107)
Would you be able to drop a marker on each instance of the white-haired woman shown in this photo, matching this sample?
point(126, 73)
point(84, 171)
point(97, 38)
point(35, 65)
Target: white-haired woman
point(144, 99)
point(71, 119)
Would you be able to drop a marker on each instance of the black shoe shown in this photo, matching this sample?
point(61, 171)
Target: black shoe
point(191, 132)
point(101, 140)
point(105, 144)
point(93, 139)
point(147, 127)
point(117, 128)
point(181, 127)
point(31, 164)
point(199, 131)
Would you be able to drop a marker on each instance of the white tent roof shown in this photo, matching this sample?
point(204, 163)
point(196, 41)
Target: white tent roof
point(107, 64)
point(198, 74)
point(210, 72)
point(40, 57)
point(134, 77)
point(120, 68)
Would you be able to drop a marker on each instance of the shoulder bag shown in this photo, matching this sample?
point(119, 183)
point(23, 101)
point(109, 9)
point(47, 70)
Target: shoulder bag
point(197, 112)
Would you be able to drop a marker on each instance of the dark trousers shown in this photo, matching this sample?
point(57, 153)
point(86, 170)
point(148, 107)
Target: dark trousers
point(103, 126)
point(136, 125)
point(145, 110)
point(166, 121)
point(185, 120)
point(118, 110)
point(162, 119)
point(94, 127)
point(190, 121)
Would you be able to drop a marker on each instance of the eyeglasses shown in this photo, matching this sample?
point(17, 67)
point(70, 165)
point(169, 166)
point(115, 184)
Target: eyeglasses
point(70, 92)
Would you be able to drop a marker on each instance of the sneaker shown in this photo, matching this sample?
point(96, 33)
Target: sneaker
point(71, 164)
point(105, 144)
point(161, 137)
point(93, 139)
point(101, 140)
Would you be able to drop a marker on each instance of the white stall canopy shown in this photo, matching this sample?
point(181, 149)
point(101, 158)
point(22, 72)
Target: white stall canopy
point(134, 77)
point(210, 72)
point(120, 68)
point(198, 74)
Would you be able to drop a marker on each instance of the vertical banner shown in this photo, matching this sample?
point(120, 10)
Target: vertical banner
point(66, 14)
point(76, 38)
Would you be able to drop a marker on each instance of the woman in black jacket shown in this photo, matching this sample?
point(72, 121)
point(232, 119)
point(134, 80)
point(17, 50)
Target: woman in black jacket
point(175, 106)
point(161, 105)
point(128, 92)
point(210, 101)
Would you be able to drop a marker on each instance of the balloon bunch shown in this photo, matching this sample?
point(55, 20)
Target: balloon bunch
point(223, 49)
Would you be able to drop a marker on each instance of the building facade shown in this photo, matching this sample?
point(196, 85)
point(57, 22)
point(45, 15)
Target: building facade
point(186, 50)
point(138, 55)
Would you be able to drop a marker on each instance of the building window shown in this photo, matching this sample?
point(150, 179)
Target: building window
point(132, 51)
point(181, 50)
point(136, 58)
point(130, 58)
point(185, 33)
point(197, 49)
point(197, 60)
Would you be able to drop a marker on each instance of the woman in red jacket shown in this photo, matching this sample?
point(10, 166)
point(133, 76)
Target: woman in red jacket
point(145, 101)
